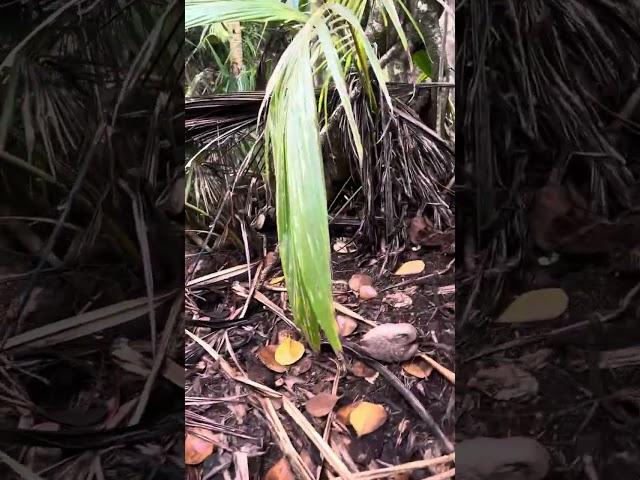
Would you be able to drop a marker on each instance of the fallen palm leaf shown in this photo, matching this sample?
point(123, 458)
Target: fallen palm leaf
point(412, 267)
point(536, 305)
point(267, 355)
point(84, 324)
point(289, 351)
point(367, 417)
point(281, 470)
point(196, 449)
point(418, 368)
point(321, 405)
point(221, 275)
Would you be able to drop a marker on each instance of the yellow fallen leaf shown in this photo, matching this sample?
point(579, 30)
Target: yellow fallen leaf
point(196, 450)
point(417, 368)
point(411, 268)
point(281, 470)
point(276, 280)
point(289, 351)
point(367, 417)
point(536, 305)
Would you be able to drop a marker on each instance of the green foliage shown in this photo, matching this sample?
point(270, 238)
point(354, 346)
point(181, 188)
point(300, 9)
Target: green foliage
point(329, 43)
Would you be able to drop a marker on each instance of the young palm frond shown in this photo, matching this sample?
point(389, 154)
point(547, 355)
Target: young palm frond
point(292, 134)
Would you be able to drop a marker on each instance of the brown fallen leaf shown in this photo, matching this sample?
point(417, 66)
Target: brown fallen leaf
point(343, 414)
point(398, 300)
point(359, 280)
point(344, 245)
point(417, 367)
point(291, 380)
point(302, 367)
point(536, 305)
point(505, 382)
point(367, 417)
point(321, 405)
point(412, 267)
point(346, 325)
point(361, 370)
point(196, 449)
point(267, 355)
point(367, 292)
point(281, 470)
point(289, 351)
point(418, 229)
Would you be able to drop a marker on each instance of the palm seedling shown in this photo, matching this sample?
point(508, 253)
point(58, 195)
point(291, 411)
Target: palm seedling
point(329, 46)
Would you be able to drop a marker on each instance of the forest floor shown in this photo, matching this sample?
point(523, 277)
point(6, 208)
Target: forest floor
point(543, 386)
point(254, 416)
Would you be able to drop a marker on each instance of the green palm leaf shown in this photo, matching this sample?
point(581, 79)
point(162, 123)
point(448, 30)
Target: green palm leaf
point(200, 13)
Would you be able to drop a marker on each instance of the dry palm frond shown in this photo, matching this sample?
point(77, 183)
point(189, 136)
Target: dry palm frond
point(540, 81)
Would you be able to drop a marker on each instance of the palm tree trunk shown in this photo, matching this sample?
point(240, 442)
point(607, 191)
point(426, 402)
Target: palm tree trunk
point(235, 49)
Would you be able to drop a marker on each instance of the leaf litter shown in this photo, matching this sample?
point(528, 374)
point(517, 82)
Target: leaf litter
point(382, 409)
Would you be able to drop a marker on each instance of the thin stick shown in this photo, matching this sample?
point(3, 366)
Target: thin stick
point(332, 458)
point(405, 467)
point(444, 371)
point(284, 441)
point(254, 285)
point(327, 427)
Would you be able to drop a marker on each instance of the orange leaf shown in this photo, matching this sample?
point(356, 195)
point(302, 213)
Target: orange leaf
point(267, 356)
point(196, 450)
point(367, 417)
point(281, 470)
point(418, 368)
point(289, 351)
point(344, 413)
point(321, 405)
point(411, 268)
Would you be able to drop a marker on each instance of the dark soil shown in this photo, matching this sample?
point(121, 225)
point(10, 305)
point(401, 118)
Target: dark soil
point(566, 415)
point(403, 437)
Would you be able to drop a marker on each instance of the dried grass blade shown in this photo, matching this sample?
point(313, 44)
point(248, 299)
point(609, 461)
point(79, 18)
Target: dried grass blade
point(329, 455)
point(84, 324)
